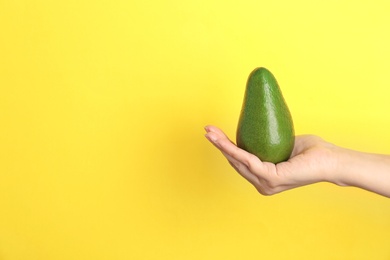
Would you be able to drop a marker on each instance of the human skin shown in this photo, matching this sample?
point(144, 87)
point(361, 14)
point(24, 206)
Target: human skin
point(312, 160)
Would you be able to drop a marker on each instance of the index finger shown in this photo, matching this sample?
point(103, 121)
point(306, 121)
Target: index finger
point(225, 145)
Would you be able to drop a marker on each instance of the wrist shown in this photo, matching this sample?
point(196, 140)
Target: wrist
point(334, 158)
point(362, 170)
point(343, 159)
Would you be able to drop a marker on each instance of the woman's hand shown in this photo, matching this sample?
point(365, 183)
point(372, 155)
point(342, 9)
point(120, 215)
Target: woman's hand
point(312, 160)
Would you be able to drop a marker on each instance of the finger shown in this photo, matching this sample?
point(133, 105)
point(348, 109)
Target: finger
point(213, 138)
point(214, 129)
point(218, 132)
point(219, 138)
point(243, 170)
point(248, 159)
point(240, 167)
point(223, 143)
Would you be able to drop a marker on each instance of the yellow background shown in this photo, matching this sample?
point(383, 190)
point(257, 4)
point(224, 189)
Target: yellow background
point(102, 109)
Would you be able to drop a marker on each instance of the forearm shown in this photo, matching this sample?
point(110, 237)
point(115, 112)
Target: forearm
point(363, 170)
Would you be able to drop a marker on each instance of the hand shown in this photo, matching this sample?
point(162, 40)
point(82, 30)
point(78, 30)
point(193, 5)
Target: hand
point(312, 160)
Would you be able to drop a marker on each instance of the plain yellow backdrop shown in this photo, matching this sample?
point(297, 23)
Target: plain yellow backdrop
point(102, 109)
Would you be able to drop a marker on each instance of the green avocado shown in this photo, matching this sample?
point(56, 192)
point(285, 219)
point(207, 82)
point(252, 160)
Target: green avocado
point(265, 126)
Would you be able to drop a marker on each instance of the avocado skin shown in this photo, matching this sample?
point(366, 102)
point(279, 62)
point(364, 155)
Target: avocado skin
point(265, 126)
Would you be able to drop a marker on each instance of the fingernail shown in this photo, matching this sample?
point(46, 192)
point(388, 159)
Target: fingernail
point(211, 137)
point(207, 128)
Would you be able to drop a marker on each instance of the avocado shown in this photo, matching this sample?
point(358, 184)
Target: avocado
point(265, 127)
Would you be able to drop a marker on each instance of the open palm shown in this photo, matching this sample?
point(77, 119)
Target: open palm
point(310, 162)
